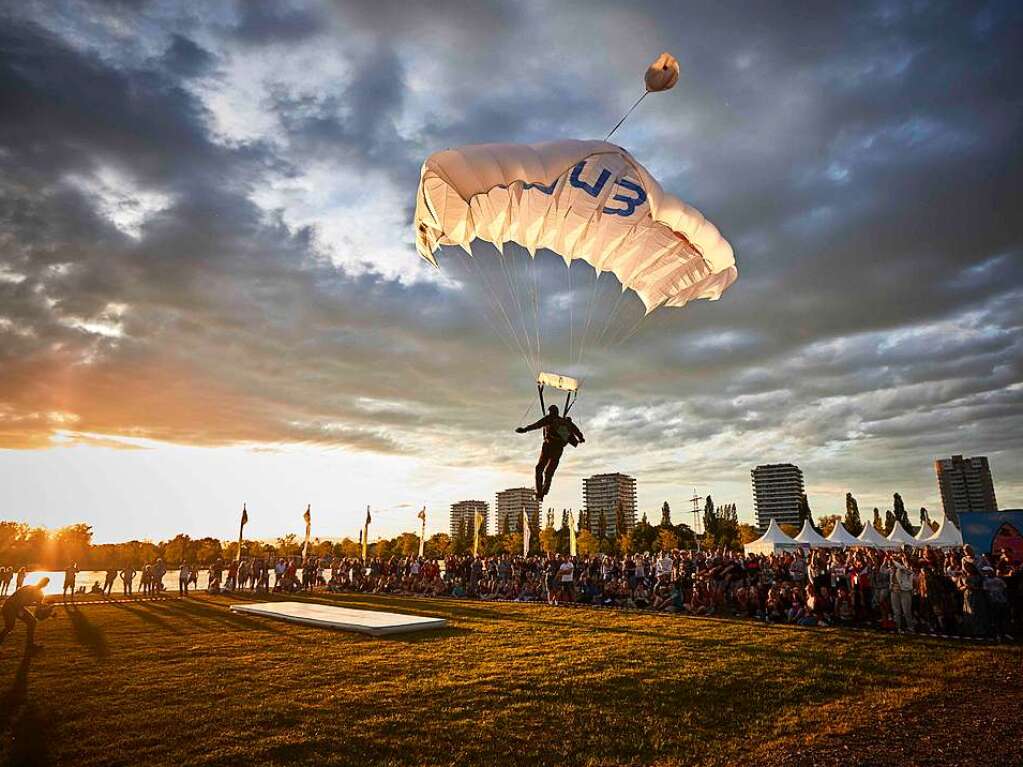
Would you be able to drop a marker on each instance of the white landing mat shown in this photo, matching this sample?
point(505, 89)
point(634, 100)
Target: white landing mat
point(345, 618)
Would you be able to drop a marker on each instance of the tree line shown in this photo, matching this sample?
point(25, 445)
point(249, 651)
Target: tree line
point(22, 545)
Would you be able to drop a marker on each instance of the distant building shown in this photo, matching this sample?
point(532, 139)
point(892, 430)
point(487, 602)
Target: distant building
point(777, 488)
point(510, 505)
point(603, 495)
point(965, 485)
point(463, 515)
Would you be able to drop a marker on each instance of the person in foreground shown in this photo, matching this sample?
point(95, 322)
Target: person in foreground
point(16, 608)
point(558, 431)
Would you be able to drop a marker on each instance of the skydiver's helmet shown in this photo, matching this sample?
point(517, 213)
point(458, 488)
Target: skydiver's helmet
point(552, 410)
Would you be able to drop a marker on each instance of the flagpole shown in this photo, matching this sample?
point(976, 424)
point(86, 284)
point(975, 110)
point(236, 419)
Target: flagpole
point(241, 532)
point(308, 527)
point(365, 537)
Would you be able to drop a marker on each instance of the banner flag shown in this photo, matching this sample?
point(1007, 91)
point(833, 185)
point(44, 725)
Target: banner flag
point(526, 532)
point(308, 517)
point(422, 531)
point(476, 533)
point(571, 533)
point(241, 532)
point(365, 535)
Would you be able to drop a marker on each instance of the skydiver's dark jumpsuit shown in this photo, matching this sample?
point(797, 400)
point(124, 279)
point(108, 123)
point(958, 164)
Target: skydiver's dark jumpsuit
point(557, 432)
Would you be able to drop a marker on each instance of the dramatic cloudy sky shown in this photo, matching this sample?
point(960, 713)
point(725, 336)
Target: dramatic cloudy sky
point(209, 294)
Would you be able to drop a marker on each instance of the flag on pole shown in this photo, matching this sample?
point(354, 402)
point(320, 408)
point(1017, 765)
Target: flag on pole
point(241, 532)
point(422, 530)
point(526, 532)
point(571, 533)
point(476, 533)
point(308, 517)
point(365, 536)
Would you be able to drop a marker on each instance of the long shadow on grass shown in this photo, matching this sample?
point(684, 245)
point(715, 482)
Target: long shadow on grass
point(148, 615)
point(220, 614)
point(88, 634)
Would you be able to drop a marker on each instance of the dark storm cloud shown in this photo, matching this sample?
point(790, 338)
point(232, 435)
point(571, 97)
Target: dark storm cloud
point(865, 161)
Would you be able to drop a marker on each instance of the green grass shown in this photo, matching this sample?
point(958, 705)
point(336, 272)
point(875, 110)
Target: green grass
point(190, 683)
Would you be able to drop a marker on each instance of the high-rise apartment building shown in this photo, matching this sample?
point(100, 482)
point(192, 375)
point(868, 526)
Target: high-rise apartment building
point(605, 497)
point(777, 489)
point(965, 485)
point(463, 515)
point(510, 505)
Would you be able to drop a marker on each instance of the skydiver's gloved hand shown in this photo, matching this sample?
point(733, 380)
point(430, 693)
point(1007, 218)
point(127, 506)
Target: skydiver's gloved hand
point(520, 430)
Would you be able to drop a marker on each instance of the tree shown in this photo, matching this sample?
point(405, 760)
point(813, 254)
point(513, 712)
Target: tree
point(548, 540)
point(601, 527)
point(805, 515)
point(828, 522)
point(789, 529)
point(747, 533)
point(585, 543)
point(437, 546)
point(899, 510)
point(727, 534)
point(665, 515)
point(852, 520)
point(179, 549)
point(667, 540)
point(686, 536)
point(71, 544)
point(878, 524)
point(889, 522)
point(642, 537)
point(710, 519)
point(288, 545)
point(619, 518)
point(506, 525)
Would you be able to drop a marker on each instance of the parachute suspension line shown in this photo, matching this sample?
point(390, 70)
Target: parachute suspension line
point(589, 318)
point(537, 302)
point(529, 270)
point(635, 329)
point(626, 115)
point(488, 318)
point(611, 315)
point(500, 305)
point(571, 316)
point(514, 291)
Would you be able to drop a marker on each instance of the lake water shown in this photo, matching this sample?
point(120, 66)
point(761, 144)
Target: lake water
point(88, 577)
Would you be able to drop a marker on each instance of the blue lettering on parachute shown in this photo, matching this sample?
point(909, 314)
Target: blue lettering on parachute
point(631, 203)
point(578, 183)
point(541, 187)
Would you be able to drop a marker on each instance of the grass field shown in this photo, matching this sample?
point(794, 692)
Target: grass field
point(190, 683)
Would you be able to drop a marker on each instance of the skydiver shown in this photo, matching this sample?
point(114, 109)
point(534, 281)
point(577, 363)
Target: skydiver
point(557, 432)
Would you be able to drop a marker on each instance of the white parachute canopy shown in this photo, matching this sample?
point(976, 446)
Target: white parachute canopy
point(588, 200)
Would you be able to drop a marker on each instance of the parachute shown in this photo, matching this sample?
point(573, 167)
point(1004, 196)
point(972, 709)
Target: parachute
point(589, 202)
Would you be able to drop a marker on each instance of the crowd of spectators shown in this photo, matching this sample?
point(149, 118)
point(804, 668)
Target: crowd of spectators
point(949, 592)
point(945, 592)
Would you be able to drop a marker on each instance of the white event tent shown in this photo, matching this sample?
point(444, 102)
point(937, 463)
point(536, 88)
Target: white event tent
point(948, 536)
point(842, 537)
point(871, 537)
point(810, 537)
point(924, 534)
point(774, 539)
point(901, 537)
